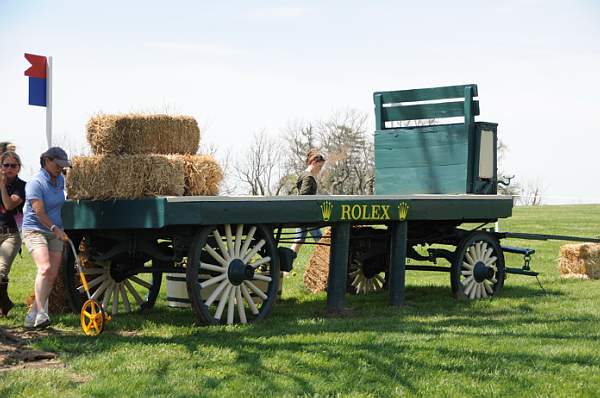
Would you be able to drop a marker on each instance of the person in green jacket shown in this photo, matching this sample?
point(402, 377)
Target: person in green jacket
point(307, 185)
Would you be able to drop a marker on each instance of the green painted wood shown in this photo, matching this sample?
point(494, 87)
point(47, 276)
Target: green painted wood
point(470, 132)
point(397, 279)
point(338, 267)
point(424, 94)
point(421, 160)
point(378, 108)
point(450, 179)
point(427, 111)
point(118, 214)
point(412, 148)
point(289, 210)
point(417, 137)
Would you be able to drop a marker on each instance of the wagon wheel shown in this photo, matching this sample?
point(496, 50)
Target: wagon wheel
point(110, 285)
point(478, 268)
point(363, 277)
point(232, 273)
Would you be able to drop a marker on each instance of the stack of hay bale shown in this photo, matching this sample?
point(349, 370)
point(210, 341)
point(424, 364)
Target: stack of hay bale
point(580, 261)
point(136, 155)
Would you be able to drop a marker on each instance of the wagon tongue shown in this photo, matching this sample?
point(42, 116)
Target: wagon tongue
point(519, 235)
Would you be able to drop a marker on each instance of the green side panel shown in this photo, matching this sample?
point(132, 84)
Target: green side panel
point(427, 111)
point(425, 94)
point(431, 160)
point(117, 214)
point(254, 210)
point(450, 179)
point(294, 210)
point(290, 210)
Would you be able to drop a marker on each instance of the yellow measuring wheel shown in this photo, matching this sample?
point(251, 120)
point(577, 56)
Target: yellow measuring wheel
point(93, 316)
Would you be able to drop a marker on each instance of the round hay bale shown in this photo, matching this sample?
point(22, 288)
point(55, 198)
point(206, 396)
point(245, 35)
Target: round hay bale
point(317, 271)
point(136, 134)
point(580, 260)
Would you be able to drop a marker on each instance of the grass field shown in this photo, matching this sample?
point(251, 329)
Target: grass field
point(525, 343)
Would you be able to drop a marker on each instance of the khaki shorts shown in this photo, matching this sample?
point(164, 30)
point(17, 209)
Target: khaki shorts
point(35, 239)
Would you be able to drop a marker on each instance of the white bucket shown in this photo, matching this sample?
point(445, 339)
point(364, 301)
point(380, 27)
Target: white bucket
point(177, 295)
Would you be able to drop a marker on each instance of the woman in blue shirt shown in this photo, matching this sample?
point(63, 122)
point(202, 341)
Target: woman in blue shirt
point(42, 230)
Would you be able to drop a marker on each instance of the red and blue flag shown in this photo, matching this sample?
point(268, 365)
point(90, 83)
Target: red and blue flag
point(37, 79)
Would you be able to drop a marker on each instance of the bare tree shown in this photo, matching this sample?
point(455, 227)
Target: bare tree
point(350, 150)
point(261, 169)
point(348, 147)
point(531, 192)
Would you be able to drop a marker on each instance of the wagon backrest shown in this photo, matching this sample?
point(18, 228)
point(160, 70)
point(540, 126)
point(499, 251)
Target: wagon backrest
point(445, 152)
point(392, 107)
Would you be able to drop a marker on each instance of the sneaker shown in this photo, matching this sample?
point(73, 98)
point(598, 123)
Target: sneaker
point(30, 320)
point(42, 320)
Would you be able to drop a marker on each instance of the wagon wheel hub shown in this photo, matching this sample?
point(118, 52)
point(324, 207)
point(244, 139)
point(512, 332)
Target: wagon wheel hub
point(118, 272)
point(238, 271)
point(482, 272)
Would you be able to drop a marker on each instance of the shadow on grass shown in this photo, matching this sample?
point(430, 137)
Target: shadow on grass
point(381, 335)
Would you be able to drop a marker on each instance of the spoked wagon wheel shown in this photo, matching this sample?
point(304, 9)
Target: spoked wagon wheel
point(478, 269)
point(232, 273)
point(363, 277)
point(111, 285)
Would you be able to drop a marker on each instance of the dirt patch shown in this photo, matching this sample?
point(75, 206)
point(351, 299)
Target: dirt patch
point(15, 352)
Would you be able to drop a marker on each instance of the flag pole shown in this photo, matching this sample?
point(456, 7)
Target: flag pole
point(49, 102)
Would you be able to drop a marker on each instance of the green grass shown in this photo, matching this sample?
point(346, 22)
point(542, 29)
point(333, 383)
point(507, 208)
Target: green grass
point(525, 343)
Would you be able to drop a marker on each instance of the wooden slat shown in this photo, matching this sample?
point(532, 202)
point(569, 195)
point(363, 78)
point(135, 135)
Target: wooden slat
point(424, 94)
point(448, 179)
point(426, 111)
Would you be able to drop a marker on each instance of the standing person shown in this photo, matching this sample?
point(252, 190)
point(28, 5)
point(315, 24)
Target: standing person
point(43, 231)
point(307, 185)
point(7, 146)
point(12, 190)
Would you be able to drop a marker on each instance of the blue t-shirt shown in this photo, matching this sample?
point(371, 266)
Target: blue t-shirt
point(40, 187)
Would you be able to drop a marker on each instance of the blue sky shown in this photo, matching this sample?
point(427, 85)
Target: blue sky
point(240, 67)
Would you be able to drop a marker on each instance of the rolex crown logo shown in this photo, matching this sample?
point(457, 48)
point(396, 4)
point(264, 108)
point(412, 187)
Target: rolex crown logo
point(403, 211)
point(326, 209)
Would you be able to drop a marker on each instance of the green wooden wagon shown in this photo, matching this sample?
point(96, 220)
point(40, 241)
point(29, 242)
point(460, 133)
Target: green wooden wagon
point(431, 178)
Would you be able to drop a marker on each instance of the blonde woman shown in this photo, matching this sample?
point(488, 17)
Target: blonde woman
point(12, 190)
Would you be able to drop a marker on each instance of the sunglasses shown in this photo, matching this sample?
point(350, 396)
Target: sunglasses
point(10, 165)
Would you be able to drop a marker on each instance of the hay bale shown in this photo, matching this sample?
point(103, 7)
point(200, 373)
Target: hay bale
point(580, 261)
point(124, 177)
point(138, 134)
point(202, 175)
point(136, 176)
point(317, 271)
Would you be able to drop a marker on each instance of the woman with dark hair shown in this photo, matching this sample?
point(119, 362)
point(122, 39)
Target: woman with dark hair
point(43, 231)
point(307, 185)
point(12, 190)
